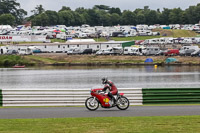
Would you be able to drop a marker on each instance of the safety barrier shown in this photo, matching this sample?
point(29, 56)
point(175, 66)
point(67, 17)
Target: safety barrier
point(171, 95)
point(69, 97)
point(77, 97)
point(1, 98)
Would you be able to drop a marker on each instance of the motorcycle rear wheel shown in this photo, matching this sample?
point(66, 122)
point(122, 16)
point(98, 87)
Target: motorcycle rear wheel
point(92, 104)
point(122, 103)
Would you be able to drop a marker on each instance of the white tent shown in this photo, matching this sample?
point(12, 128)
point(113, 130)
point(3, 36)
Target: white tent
point(5, 27)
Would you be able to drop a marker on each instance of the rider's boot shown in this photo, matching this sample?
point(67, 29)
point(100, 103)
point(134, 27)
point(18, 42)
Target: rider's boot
point(114, 102)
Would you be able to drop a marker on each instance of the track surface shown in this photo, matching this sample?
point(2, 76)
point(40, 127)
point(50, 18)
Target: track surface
point(64, 112)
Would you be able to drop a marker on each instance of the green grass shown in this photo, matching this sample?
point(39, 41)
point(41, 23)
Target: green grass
point(133, 38)
point(157, 124)
point(39, 59)
point(27, 42)
point(183, 33)
point(58, 40)
point(126, 38)
point(170, 33)
point(176, 33)
point(101, 39)
point(11, 60)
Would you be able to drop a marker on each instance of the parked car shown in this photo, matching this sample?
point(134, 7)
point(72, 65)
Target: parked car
point(73, 51)
point(104, 52)
point(37, 51)
point(172, 52)
point(25, 51)
point(111, 51)
point(187, 52)
point(162, 52)
point(100, 52)
point(10, 52)
point(86, 51)
point(196, 53)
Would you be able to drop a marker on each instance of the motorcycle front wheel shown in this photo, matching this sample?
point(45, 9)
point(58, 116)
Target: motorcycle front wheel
point(92, 104)
point(122, 103)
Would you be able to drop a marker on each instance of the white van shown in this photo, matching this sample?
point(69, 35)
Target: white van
point(140, 51)
point(129, 50)
point(61, 35)
point(185, 49)
point(3, 50)
point(25, 51)
point(110, 51)
point(151, 51)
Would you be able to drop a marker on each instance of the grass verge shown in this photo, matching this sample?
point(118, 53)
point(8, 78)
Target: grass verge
point(60, 59)
point(156, 124)
point(176, 33)
point(11, 60)
point(40, 60)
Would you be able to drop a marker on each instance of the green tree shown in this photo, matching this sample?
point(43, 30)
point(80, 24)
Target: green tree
point(86, 18)
point(103, 18)
point(101, 7)
point(7, 19)
point(80, 10)
point(175, 16)
point(151, 17)
point(38, 10)
point(115, 19)
point(115, 10)
point(12, 7)
point(40, 20)
point(20, 16)
point(128, 18)
point(164, 17)
point(104, 15)
point(197, 13)
point(93, 17)
point(79, 19)
point(53, 18)
point(192, 14)
point(140, 17)
point(64, 8)
point(66, 17)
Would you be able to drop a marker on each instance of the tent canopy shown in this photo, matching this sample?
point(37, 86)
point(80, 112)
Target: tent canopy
point(169, 60)
point(149, 60)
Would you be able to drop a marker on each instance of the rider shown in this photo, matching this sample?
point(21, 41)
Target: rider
point(109, 85)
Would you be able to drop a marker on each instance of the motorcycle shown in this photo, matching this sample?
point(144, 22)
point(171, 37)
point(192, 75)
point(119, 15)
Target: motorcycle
point(100, 97)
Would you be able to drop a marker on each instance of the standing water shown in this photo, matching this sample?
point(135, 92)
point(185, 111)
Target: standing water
point(87, 77)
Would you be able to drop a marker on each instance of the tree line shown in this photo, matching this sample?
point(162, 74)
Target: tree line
point(99, 15)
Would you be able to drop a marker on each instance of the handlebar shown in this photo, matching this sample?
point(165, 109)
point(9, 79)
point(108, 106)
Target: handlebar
point(101, 92)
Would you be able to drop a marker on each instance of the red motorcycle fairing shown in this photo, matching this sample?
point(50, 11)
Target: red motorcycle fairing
point(121, 94)
point(103, 99)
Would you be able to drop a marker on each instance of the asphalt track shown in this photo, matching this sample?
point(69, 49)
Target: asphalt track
point(65, 112)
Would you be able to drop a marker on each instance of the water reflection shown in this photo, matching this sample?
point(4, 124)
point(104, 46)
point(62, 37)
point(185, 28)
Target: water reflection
point(86, 77)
